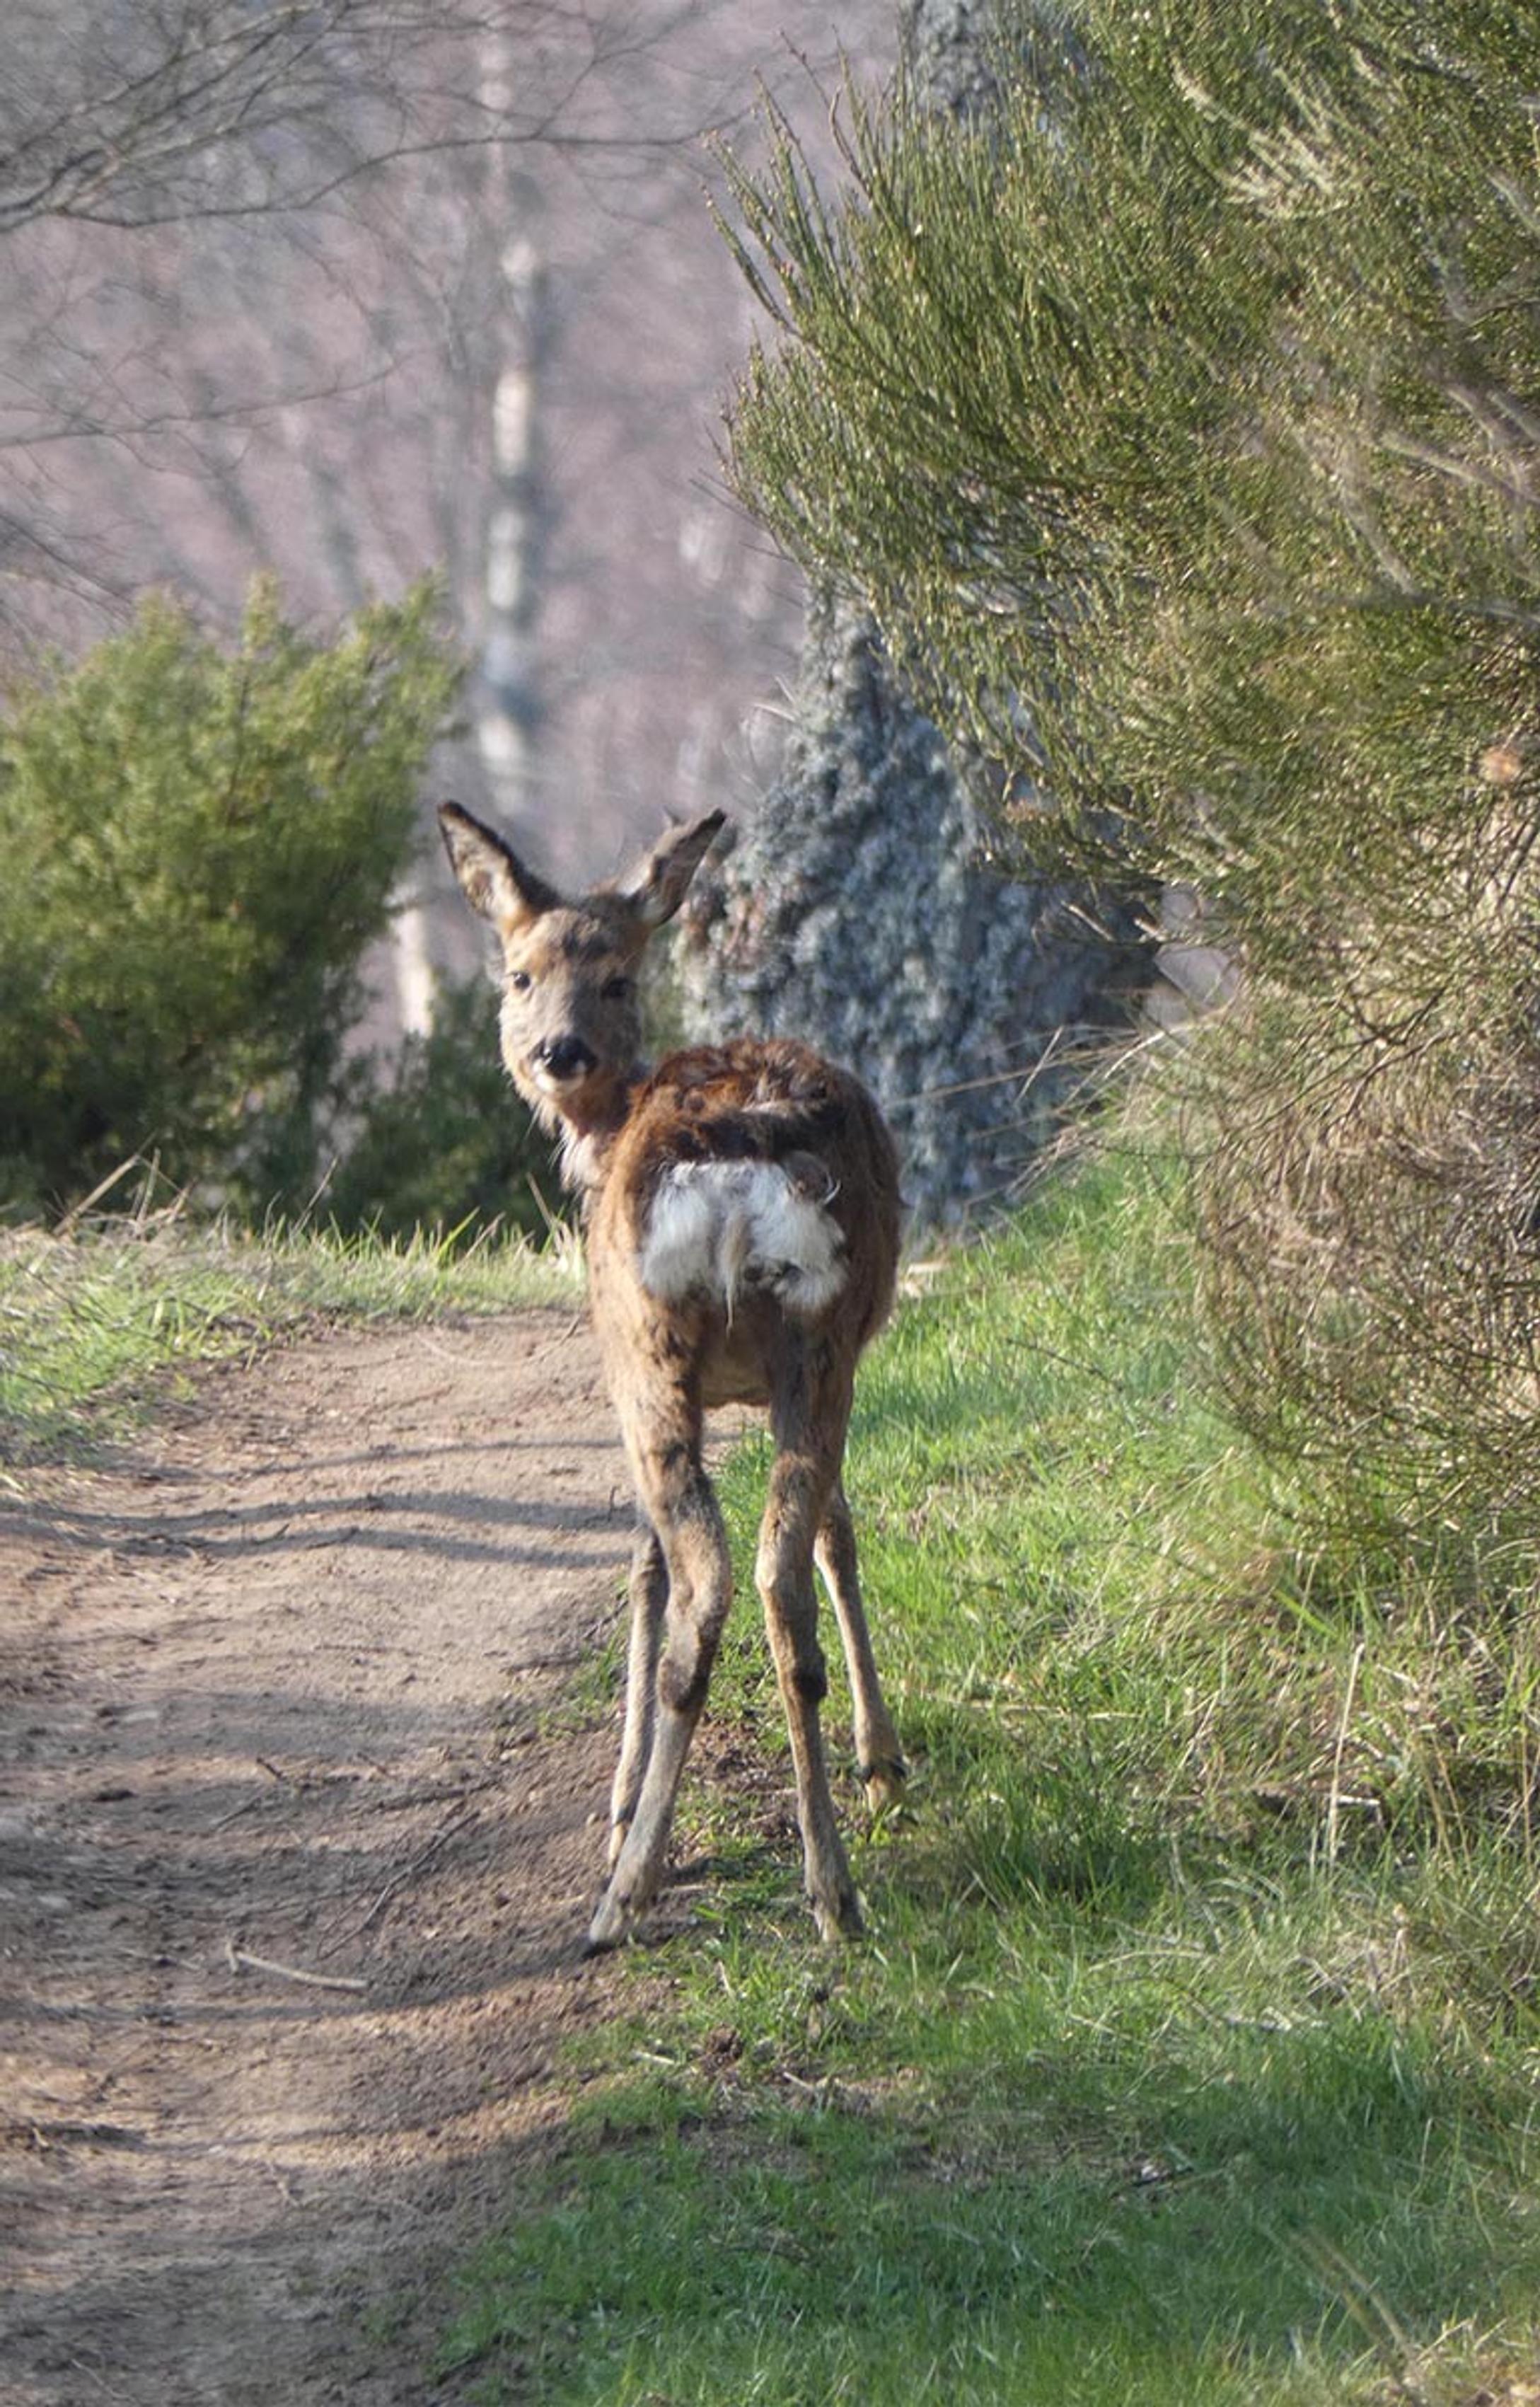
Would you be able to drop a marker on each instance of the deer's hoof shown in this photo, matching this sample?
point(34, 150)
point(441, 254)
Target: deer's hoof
point(838, 1921)
point(614, 1917)
point(610, 1927)
point(884, 1786)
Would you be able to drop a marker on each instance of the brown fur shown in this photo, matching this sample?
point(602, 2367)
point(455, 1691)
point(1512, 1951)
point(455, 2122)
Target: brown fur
point(571, 1039)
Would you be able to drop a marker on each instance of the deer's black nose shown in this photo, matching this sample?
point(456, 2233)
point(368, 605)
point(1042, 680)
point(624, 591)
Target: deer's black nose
point(566, 1057)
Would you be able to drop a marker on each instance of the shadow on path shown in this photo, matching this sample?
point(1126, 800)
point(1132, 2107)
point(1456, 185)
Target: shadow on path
point(293, 1873)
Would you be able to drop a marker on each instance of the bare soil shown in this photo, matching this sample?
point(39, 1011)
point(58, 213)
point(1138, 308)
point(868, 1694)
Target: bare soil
point(275, 1711)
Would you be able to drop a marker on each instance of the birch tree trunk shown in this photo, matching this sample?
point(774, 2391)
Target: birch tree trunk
point(509, 701)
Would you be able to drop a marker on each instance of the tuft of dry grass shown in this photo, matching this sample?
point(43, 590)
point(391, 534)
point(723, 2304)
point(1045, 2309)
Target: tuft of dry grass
point(95, 1316)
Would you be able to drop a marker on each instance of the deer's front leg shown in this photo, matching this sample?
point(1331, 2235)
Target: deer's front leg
point(648, 1597)
point(877, 1751)
point(677, 1499)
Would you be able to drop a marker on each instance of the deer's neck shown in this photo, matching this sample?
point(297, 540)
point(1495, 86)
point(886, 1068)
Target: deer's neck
point(587, 1140)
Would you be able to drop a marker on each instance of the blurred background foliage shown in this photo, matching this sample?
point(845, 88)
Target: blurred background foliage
point(201, 843)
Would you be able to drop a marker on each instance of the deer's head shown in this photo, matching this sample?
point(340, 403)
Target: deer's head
point(571, 1021)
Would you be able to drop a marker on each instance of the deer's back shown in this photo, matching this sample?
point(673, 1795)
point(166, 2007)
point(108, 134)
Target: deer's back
point(753, 1186)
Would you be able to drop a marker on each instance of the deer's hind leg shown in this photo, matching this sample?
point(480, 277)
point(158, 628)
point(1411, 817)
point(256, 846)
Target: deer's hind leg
point(808, 1413)
point(662, 1435)
point(878, 1752)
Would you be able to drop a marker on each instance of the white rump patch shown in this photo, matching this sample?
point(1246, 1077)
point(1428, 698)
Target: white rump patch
point(721, 1229)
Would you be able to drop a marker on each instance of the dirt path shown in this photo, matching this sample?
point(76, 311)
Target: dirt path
point(269, 1687)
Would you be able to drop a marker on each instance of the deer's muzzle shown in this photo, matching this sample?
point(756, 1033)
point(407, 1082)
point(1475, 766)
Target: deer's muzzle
point(565, 1059)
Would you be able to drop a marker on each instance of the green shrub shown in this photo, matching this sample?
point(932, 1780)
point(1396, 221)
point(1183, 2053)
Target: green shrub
point(1170, 416)
point(199, 843)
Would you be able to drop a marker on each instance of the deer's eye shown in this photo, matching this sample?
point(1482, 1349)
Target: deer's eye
point(616, 989)
point(519, 981)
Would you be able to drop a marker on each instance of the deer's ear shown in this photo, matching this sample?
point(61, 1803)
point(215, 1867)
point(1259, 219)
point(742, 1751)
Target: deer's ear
point(495, 882)
point(661, 880)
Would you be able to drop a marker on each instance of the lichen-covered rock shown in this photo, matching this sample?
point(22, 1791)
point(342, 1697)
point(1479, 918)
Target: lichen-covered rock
point(859, 911)
point(944, 45)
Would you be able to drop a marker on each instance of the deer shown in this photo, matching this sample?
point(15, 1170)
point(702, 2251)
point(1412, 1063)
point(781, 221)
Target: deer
point(741, 1218)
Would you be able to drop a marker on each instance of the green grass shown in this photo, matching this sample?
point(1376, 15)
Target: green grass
point(1191, 2056)
point(93, 1324)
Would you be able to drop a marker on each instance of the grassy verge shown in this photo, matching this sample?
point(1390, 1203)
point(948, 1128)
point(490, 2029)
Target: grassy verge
point(1191, 2056)
point(92, 1324)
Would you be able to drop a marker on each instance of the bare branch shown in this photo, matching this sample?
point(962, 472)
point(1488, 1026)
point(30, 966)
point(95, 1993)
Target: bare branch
point(240, 107)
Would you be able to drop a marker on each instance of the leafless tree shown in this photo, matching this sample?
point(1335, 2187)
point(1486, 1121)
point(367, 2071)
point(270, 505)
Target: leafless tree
point(277, 276)
point(124, 127)
point(121, 114)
